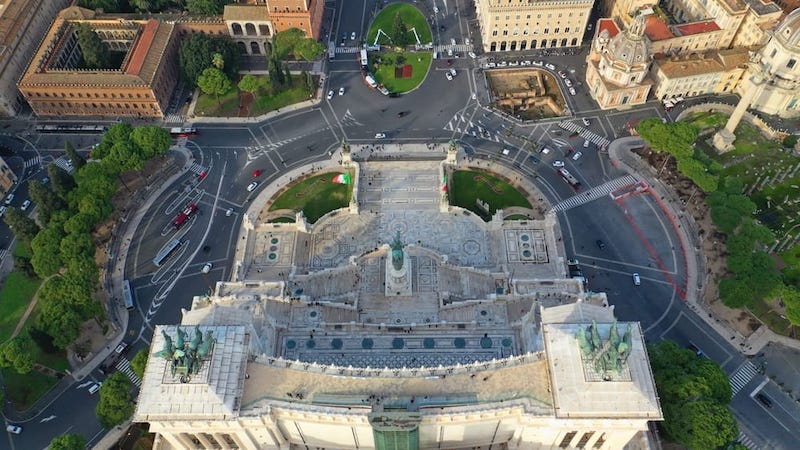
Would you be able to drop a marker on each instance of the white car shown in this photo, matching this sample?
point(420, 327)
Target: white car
point(472, 55)
point(562, 74)
point(448, 76)
point(14, 429)
point(330, 95)
point(585, 122)
point(452, 41)
point(453, 72)
point(9, 199)
point(526, 63)
point(568, 82)
point(572, 91)
point(436, 9)
point(545, 150)
point(353, 35)
point(558, 163)
point(636, 280)
point(25, 205)
point(538, 63)
point(229, 212)
point(379, 135)
point(252, 186)
point(586, 144)
point(341, 91)
point(577, 156)
point(550, 66)
point(95, 387)
point(206, 268)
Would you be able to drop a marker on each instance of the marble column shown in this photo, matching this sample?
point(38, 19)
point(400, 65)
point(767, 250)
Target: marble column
point(724, 138)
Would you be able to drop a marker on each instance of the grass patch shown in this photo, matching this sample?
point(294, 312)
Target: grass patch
point(468, 186)
point(411, 16)
point(517, 217)
point(383, 68)
point(22, 250)
point(771, 318)
point(15, 296)
point(24, 390)
point(315, 196)
point(265, 101)
point(282, 220)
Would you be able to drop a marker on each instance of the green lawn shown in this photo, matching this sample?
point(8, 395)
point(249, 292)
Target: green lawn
point(15, 296)
point(228, 104)
point(24, 390)
point(411, 16)
point(315, 196)
point(467, 186)
point(383, 66)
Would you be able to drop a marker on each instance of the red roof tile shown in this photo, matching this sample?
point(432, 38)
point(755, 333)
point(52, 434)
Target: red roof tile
point(141, 47)
point(608, 25)
point(657, 30)
point(698, 27)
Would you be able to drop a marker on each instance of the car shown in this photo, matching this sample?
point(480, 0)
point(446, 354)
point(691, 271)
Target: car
point(3, 210)
point(206, 268)
point(585, 122)
point(513, 64)
point(766, 401)
point(341, 91)
point(448, 76)
point(502, 64)
point(9, 199)
point(45, 180)
point(436, 9)
point(550, 66)
point(330, 95)
point(442, 28)
point(402, 114)
point(256, 173)
point(452, 41)
point(577, 156)
point(636, 280)
point(545, 150)
point(526, 63)
point(16, 429)
point(558, 163)
point(491, 65)
point(506, 151)
point(586, 144)
point(380, 135)
point(562, 74)
point(353, 35)
point(472, 55)
point(568, 82)
point(538, 63)
point(229, 212)
point(95, 387)
point(572, 91)
point(450, 52)
point(600, 244)
point(252, 186)
point(25, 205)
point(535, 160)
point(453, 72)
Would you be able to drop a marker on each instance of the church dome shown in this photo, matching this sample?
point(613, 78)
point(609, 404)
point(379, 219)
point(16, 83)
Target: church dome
point(788, 31)
point(631, 47)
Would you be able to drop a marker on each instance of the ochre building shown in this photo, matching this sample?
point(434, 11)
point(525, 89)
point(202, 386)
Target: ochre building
point(55, 85)
point(252, 23)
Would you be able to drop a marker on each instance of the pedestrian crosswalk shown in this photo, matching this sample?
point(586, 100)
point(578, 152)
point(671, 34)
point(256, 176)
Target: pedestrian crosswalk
point(3, 254)
point(747, 442)
point(173, 118)
point(124, 366)
point(64, 164)
point(33, 162)
point(594, 193)
point(347, 49)
point(742, 376)
point(589, 135)
point(463, 48)
point(198, 168)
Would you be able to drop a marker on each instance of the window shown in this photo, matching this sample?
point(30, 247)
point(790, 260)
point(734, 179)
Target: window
point(567, 439)
point(790, 64)
point(505, 32)
point(774, 52)
point(494, 33)
point(556, 30)
point(566, 30)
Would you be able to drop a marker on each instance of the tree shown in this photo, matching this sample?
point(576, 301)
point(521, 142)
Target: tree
point(284, 43)
point(59, 320)
point(206, 7)
point(16, 353)
point(139, 362)
point(77, 160)
point(68, 442)
point(399, 31)
point(23, 265)
point(116, 403)
point(46, 200)
point(46, 249)
point(23, 227)
point(196, 55)
point(151, 141)
point(287, 76)
point(309, 49)
point(108, 6)
point(61, 182)
point(249, 83)
point(148, 5)
point(217, 60)
point(96, 54)
point(790, 141)
point(214, 82)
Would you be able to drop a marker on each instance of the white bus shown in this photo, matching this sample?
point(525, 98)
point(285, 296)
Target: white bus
point(364, 60)
point(127, 295)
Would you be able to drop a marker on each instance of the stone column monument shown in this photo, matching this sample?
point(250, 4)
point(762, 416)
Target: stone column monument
point(724, 138)
point(398, 270)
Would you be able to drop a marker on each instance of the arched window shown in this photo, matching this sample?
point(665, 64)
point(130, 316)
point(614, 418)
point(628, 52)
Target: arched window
point(237, 29)
point(523, 45)
point(533, 43)
point(493, 47)
point(513, 45)
point(242, 47)
point(250, 29)
point(263, 29)
point(574, 42)
point(564, 42)
point(503, 46)
point(255, 48)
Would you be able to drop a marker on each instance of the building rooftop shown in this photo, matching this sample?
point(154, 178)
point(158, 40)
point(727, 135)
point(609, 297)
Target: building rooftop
point(258, 13)
point(697, 27)
point(657, 30)
point(711, 62)
point(608, 26)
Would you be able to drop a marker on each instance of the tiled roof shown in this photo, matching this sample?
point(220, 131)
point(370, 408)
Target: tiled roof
point(607, 25)
point(698, 27)
point(258, 13)
point(701, 64)
point(657, 30)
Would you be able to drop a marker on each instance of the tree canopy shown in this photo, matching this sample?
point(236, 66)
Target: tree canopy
point(196, 54)
point(109, 6)
point(116, 402)
point(294, 42)
point(214, 82)
point(206, 7)
point(249, 83)
point(16, 353)
point(139, 362)
point(96, 54)
point(68, 442)
point(694, 394)
point(23, 227)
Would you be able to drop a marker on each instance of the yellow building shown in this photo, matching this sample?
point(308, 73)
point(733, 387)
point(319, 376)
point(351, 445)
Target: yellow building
point(716, 72)
point(7, 178)
point(251, 23)
point(22, 25)
point(509, 26)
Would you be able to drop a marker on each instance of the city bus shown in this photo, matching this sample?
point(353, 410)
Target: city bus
point(181, 219)
point(183, 131)
point(76, 129)
point(331, 50)
point(571, 180)
point(127, 295)
point(166, 252)
point(364, 60)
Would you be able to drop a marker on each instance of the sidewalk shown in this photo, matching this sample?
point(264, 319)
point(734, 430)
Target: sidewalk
point(621, 156)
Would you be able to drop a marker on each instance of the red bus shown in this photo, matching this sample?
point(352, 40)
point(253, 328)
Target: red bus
point(571, 180)
point(184, 216)
point(183, 131)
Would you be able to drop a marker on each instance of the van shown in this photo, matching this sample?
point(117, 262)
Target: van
point(766, 401)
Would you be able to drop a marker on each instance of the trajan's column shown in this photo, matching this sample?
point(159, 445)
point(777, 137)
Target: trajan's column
point(724, 138)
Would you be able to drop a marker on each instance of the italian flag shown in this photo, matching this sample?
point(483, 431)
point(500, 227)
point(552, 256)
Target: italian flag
point(444, 183)
point(342, 178)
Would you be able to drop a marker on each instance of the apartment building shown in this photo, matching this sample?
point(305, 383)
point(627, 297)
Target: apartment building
point(716, 72)
point(251, 23)
point(508, 25)
point(23, 23)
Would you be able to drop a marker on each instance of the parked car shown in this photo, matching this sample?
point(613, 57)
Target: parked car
point(252, 186)
point(550, 66)
point(330, 95)
point(558, 163)
point(380, 135)
point(353, 35)
point(585, 122)
point(206, 268)
point(16, 429)
point(472, 55)
point(568, 82)
point(453, 72)
point(572, 91)
point(25, 205)
point(600, 244)
point(341, 91)
point(3, 210)
point(577, 156)
point(448, 76)
point(562, 74)
point(9, 199)
point(636, 280)
point(538, 63)
point(586, 144)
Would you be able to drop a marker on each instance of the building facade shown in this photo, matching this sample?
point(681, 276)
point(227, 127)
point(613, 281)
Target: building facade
point(619, 64)
point(23, 23)
point(55, 85)
point(718, 72)
point(251, 23)
point(509, 26)
point(7, 178)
